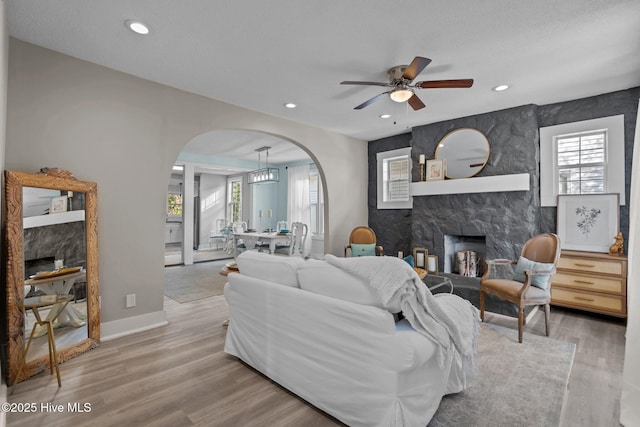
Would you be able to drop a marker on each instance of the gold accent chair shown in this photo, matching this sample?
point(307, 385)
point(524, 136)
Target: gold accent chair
point(541, 249)
point(362, 235)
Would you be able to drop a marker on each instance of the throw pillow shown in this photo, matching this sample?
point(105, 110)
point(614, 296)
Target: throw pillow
point(368, 249)
point(409, 260)
point(539, 281)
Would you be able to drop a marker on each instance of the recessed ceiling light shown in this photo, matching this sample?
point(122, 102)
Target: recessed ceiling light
point(500, 88)
point(385, 116)
point(137, 27)
point(290, 105)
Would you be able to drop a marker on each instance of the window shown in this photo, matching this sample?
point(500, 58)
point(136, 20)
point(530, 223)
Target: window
point(175, 204)
point(582, 158)
point(234, 199)
point(581, 162)
point(174, 200)
point(394, 176)
point(316, 198)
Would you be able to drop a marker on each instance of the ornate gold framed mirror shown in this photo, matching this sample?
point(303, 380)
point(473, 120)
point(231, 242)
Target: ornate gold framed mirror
point(52, 249)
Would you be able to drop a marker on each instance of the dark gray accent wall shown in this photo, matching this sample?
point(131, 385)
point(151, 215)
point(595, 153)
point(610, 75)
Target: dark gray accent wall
point(60, 241)
point(507, 219)
point(392, 226)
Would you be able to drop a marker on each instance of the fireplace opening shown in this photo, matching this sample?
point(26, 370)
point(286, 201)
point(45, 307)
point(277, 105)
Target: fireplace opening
point(465, 255)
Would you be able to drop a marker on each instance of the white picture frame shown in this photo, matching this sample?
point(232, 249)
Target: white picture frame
point(58, 205)
point(436, 169)
point(588, 222)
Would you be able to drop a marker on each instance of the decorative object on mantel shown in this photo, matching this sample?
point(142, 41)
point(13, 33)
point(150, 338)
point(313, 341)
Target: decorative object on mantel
point(420, 257)
point(432, 264)
point(422, 166)
point(57, 173)
point(617, 249)
point(586, 222)
point(436, 169)
point(466, 152)
point(467, 263)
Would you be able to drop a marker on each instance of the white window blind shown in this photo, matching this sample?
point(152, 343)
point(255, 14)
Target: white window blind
point(394, 177)
point(581, 161)
point(398, 180)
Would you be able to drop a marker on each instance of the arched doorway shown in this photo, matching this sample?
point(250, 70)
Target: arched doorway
point(214, 163)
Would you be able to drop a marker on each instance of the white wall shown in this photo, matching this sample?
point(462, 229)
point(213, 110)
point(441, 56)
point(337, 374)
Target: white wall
point(630, 399)
point(125, 133)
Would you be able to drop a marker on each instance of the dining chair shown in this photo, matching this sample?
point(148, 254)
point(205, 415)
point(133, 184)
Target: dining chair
point(299, 233)
point(530, 283)
point(220, 233)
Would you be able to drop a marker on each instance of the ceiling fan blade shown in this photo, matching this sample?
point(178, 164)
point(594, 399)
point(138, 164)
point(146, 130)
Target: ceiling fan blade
point(417, 65)
point(443, 84)
point(365, 83)
point(371, 101)
point(416, 103)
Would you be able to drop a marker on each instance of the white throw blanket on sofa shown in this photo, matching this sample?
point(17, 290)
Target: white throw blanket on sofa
point(401, 289)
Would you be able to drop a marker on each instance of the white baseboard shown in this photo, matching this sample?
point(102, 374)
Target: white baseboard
point(132, 325)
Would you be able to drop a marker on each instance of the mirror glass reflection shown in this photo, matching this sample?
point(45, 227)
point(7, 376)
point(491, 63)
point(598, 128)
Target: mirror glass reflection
point(54, 253)
point(466, 152)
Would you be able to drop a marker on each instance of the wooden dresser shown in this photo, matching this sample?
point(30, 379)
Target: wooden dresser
point(591, 281)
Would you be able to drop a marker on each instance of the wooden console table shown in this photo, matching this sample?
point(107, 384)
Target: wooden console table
point(591, 281)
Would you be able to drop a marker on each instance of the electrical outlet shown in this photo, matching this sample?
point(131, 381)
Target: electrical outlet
point(131, 300)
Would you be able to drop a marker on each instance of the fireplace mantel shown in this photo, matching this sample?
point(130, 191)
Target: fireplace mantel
point(480, 184)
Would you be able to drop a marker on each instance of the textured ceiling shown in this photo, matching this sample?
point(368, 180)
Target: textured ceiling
point(261, 54)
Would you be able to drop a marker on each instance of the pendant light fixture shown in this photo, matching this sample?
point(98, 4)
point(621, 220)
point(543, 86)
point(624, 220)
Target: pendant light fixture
point(266, 174)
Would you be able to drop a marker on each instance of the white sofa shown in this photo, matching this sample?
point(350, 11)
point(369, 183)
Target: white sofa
point(319, 332)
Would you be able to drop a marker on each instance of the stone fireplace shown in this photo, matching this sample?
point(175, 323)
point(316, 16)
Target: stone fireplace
point(454, 244)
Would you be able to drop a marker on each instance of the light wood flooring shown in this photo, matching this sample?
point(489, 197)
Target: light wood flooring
point(178, 375)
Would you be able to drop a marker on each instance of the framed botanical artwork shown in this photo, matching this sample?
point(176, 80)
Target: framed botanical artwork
point(588, 222)
point(420, 257)
point(436, 169)
point(58, 204)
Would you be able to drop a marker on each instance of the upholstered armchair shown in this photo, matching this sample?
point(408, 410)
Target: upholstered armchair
point(362, 241)
point(530, 283)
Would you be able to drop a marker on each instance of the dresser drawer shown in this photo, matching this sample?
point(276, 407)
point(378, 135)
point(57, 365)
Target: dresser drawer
point(601, 266)
point(591, 283)
point(597, 302)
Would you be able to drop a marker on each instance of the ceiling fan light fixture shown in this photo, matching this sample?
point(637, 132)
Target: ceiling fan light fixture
point(401, 95)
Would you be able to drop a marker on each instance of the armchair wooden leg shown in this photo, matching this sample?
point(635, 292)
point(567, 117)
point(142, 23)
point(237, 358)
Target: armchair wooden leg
point(547, 315)
point(520, 323)
point(482, 305)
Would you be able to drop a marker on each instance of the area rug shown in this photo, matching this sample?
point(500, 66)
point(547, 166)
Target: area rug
point(517, 384)
point(186, 283)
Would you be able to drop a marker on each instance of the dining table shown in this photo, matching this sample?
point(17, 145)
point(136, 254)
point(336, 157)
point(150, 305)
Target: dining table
point(251, 239)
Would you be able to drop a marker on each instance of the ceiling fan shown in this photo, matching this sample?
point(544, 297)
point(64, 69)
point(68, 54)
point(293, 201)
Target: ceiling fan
point(400, 78)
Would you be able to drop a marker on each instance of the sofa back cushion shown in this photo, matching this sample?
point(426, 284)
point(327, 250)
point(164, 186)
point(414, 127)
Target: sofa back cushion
point(273, 268)
point(322, 278)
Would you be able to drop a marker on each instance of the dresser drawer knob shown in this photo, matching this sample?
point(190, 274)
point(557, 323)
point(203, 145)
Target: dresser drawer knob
point(579, 264)
point(583, 282)
point(585, 299)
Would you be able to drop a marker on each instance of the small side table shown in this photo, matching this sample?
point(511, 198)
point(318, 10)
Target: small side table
point(57, 304)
